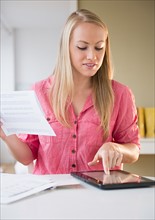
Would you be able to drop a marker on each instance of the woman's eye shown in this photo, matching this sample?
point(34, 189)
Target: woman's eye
point(98, 48)
point(82, 48)
point(85, 48)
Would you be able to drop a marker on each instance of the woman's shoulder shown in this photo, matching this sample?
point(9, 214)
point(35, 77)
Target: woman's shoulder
point(120, 88)
point(118, 85)
point(122, 92)
point(44, 84)
point(42, 89)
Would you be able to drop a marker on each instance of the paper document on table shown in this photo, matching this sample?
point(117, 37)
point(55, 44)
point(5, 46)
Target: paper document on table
point(21, 113)
point(18, 186)
point(14, 187)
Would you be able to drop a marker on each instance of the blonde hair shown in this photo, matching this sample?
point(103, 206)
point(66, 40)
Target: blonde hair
point(61, 93)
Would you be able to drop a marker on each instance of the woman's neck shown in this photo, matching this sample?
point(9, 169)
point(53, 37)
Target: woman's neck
point(82, 84)
point(82, 89)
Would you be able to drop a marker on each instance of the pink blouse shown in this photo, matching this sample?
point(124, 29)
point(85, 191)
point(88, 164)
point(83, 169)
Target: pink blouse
point(72, 148)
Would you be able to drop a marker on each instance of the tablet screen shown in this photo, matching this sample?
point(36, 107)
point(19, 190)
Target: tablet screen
point(116, 179)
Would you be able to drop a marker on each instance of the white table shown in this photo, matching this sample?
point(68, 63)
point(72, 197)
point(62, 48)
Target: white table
point(84, 202)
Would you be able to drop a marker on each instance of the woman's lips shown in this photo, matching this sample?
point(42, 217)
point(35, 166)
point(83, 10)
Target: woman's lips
point(90, 65)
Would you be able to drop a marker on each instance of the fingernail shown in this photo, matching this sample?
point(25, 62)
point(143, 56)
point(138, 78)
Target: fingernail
point(108, 172)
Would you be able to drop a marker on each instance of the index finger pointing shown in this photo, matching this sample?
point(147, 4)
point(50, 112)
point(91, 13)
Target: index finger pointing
point(105, 162)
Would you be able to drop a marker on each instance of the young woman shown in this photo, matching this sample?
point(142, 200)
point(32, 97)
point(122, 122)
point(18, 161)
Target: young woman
point(93, 116)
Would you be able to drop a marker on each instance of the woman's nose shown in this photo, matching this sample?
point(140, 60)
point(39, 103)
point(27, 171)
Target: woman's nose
point(91, 55)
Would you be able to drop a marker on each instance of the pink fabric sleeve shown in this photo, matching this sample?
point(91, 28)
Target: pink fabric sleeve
point(126, 128)
point(32, 141)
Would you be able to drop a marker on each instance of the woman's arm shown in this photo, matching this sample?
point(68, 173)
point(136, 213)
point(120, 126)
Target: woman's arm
point(19, 149)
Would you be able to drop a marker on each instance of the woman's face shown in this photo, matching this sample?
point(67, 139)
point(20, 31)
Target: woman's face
point(87, 49)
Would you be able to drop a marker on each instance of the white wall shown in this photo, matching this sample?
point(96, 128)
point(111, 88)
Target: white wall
point(7, 79)
point(35, 55)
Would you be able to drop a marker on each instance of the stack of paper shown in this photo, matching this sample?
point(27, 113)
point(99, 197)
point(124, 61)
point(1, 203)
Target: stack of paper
point(18, 186)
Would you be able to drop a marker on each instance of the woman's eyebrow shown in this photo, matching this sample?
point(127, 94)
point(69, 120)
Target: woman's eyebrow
point(82, 41)
point(101, 41)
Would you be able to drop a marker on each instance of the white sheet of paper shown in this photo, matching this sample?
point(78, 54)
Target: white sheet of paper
point(17, 186)
point(14, 187)
point(21, 113)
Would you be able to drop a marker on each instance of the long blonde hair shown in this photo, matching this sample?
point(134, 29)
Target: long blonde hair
point(61, 94)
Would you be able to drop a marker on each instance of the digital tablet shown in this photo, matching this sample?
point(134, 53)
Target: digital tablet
point(118, 179)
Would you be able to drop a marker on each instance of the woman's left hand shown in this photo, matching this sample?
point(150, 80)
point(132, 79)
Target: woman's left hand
point(110, 154)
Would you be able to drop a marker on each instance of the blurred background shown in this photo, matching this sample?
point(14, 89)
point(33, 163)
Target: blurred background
point(30, 33)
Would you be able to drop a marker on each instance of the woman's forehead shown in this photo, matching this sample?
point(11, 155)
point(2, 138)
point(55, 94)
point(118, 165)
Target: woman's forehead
point(89, 31)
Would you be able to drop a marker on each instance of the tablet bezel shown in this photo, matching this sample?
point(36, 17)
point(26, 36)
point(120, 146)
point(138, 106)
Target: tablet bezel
point(145, 182)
